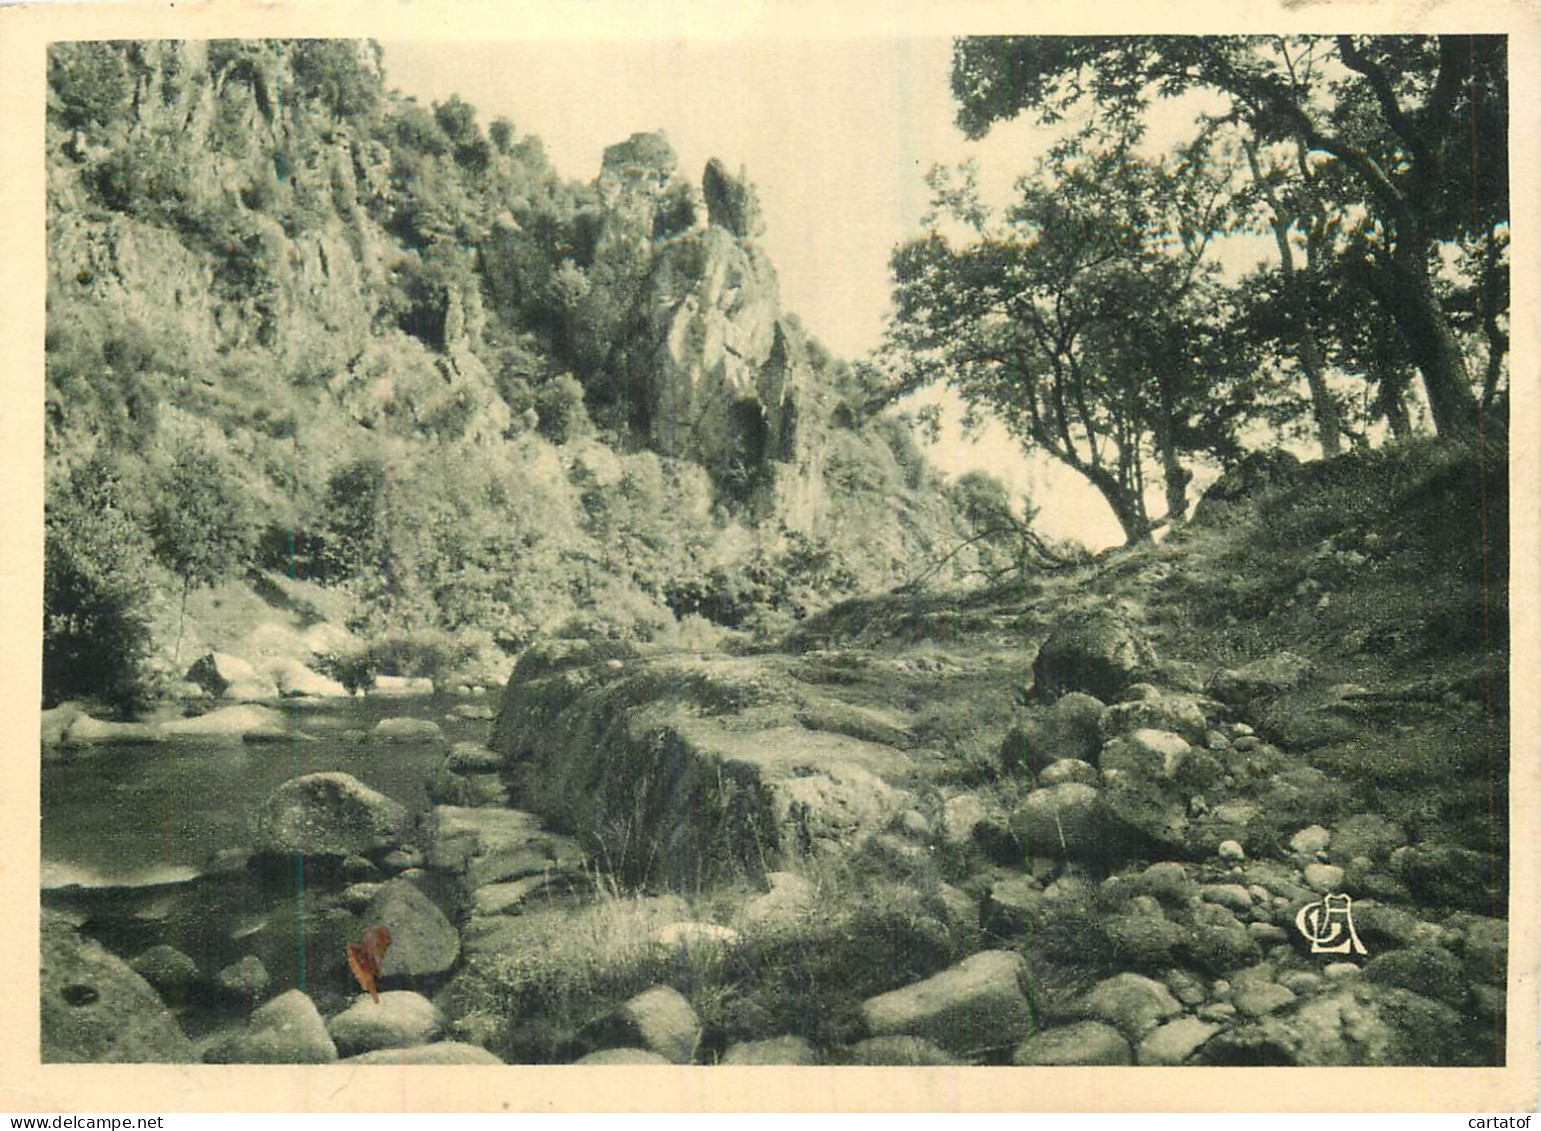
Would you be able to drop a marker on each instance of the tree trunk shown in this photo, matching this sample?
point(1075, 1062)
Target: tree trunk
point(1407, 293)
point(1177, 478)
point(1125, 503)
point(176, 652)
point(1389, 402)
point(1328, 428)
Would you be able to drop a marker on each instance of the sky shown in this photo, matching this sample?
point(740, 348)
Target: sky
point(837, 136)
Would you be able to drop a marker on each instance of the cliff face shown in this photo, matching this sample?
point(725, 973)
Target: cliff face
point(256, 251)
point(716, 374)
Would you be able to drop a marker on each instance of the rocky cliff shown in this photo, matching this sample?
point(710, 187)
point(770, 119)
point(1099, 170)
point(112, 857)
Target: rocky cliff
point(441, 380)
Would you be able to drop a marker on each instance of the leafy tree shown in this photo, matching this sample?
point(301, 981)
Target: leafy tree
point(1415, 130)
point(88, 83)
point(458, 121)
point(333, 73)
point(501, 133)
point(199, 525)
point(1089, 319)
point(96, 623)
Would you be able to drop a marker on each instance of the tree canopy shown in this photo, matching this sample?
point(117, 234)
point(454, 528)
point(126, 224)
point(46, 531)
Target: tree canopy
point(1410, 133)
point(1090, 317)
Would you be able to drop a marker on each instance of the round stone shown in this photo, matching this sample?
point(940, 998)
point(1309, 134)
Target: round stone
point(1324, 877)
point(1310, 840)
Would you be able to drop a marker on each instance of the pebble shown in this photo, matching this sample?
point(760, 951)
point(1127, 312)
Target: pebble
point(1068, 770)
point(1234, 896)
point(1241, 730)
point(1258, 999)
point(1267, 934)
point(1085, 1042)
point(1220, 990)
point(247, 979)
point(1340, 971)
point(356, 897)
point(1217, 1011)
point(1186, 986)
point(1302, 982)
point(1246, 743)
point(1176, 1041)
point(1310, 840)
point(1167, 880)
point(1324, 877)
point(1132, 1004)
point(1231, 851)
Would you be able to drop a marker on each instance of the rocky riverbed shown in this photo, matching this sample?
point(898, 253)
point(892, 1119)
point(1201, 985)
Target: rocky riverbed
point(760, 864)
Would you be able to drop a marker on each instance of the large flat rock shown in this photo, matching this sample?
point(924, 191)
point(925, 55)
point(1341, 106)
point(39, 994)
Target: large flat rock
point(690, 768)
point(485, 846)
point(970, 1008)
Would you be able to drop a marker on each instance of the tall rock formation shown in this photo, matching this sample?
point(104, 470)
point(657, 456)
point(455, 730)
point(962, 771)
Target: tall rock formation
point(716, 370)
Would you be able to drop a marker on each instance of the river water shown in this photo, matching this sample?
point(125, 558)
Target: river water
point(147, 844)
point(129, 814)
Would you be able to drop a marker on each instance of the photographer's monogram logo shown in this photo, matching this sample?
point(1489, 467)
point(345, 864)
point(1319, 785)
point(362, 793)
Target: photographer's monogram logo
point(1329, 925)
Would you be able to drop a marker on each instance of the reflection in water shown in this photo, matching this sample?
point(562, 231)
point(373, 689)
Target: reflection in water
point(154, 814)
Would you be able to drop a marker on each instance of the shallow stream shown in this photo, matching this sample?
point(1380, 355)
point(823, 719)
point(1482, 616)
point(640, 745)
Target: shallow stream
point(148, 844)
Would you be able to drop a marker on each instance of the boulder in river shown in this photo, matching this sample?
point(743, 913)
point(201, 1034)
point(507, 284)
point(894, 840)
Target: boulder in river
point(230, 677)
point(401, 685)
point(83, 730)
point(286, 1030)
point(406, 729)
point(233, 722)
point(423, 941)
point(245, 981)
point(399, 1019)
point(95, 1009)
point(329, 814)
point(171, 973)
point(294, 680)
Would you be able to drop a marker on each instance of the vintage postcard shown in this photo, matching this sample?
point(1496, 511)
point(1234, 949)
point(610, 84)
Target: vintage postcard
point(665, 557)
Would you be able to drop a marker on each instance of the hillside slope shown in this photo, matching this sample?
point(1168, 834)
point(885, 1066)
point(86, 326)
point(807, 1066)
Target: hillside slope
point(419, 368)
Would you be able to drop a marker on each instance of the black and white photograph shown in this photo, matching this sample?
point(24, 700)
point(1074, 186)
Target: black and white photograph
point(946, 547)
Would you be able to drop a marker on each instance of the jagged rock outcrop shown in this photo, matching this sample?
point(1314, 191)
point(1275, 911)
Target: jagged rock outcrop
point(715, 368)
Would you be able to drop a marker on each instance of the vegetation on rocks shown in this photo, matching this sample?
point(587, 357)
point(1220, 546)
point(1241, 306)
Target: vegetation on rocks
point(301, 327)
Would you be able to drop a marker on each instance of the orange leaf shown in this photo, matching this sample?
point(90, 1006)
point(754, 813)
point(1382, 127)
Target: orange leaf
point(364, 958)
